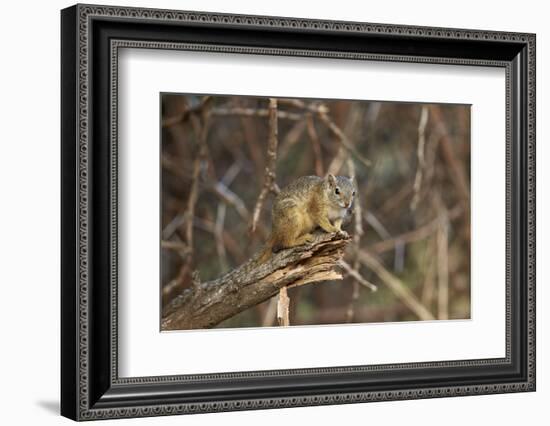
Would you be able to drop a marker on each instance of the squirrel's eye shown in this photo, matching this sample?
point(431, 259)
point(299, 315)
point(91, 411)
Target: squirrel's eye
point(353, 194)
point(337, 191)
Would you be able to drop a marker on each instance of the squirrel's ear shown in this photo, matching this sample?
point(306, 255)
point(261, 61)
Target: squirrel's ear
point(331, 179)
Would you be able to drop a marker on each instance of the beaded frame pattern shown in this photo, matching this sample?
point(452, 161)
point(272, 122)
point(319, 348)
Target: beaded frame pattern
point(86, 12)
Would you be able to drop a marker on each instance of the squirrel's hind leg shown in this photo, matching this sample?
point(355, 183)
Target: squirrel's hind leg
point(289, 229)
point(291, 241)
point(304, 239)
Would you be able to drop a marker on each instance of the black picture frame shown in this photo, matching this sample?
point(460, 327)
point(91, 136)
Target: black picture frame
point(90, 386)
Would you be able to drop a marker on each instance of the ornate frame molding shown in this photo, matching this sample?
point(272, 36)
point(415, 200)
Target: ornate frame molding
point(78, 24)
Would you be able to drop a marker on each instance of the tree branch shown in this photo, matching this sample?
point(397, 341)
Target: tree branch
point(207, 304)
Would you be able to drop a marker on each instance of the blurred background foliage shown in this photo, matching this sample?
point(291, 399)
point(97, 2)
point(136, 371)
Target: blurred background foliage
point(413, 201)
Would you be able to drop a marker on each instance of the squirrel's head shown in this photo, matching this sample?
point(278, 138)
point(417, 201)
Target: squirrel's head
point(340, 190)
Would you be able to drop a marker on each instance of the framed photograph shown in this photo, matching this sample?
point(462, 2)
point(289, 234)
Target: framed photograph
point(263, 212)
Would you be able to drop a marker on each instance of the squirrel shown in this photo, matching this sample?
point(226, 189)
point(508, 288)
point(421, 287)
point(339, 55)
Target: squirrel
point(305, 204)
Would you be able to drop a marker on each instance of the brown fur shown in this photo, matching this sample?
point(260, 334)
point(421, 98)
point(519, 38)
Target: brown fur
point(308, 203)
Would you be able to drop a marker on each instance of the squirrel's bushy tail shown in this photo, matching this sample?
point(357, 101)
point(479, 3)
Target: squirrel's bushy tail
point(267, 250)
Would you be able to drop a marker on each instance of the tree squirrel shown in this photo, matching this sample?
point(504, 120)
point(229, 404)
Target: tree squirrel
point(305, 204)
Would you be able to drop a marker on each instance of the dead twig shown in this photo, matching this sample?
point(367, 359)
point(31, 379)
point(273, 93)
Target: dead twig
point(350, 312)
point(201, 130)
point(342, 138)
point(428, 287)
point(314, 107)
point(396, 286)
point(321, 111)
point(458, 174)
point(200, 126)
point(443, 265)
point(283, 305)
point(355, 117)
point(315, 145)
point(188, 112)
point(376, 225)
point(269, 176)
point(420, 156)
point(181, 248)
point(271, 312)
point(271, 186)
point(291, 138)
point(230, 243)
point(232, 199)
point(253, 112)
point(395, 201)
point(358, 233)
point(218, 233)
point(415, 235)
point(357, 276)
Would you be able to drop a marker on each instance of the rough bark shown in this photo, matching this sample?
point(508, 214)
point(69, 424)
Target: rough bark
point(209, 303)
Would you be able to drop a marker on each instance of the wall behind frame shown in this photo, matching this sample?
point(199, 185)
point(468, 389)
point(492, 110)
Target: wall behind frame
point(30, 225)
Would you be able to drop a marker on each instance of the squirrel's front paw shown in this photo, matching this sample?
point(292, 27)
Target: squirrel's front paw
point(309, 239)
point(342, 233)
